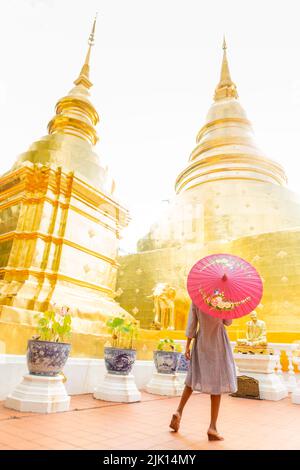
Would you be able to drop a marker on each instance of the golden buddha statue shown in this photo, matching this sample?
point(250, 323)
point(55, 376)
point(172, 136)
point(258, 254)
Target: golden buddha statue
point(256, 337)
point(164, 307)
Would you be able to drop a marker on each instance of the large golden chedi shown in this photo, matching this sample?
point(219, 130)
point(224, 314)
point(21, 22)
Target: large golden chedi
point(229, 198)
point(59, 229)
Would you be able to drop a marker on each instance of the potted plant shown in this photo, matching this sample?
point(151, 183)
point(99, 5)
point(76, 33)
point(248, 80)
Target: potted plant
point(47, 352)
point(120, 356)
point(184, 364)
point(167, 356)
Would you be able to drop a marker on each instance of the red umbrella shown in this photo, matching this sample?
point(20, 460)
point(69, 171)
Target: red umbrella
point(224, 286)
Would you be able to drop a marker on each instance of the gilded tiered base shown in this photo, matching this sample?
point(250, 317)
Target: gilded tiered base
point(58, 244)
point(244, 349)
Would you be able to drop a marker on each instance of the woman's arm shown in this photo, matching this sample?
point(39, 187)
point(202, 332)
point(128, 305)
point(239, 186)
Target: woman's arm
point(188, 349)
point(191, 329)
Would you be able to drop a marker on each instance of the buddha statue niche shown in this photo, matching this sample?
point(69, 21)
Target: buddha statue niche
point(164, 306)
point(256, 337)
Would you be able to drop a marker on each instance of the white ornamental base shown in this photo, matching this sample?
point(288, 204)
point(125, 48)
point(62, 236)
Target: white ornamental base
point(118, 388)
point(39, 394)
point(296, 396)
point(182, 377)
point(262, 368)
point(165, 384)
point(296, 392)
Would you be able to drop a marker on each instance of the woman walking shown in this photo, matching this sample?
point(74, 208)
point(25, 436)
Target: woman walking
point(212, 368)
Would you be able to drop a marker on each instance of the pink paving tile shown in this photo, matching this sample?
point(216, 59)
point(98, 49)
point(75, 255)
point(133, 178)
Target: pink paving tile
point(246, 424)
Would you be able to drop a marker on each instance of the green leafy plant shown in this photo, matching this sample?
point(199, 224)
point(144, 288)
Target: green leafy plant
point(123, 331)
point(54, 325)
point(169, 344)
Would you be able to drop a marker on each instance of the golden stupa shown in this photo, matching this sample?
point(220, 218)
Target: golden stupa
point(59, 229)
point(230, 198)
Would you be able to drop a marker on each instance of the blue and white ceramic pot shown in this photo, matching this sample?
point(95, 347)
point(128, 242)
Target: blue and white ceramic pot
point(47, 357)
point(119, 361)
point(166, 362)
point(183, 364)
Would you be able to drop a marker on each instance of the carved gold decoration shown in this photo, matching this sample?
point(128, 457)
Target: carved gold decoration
point(244, 349)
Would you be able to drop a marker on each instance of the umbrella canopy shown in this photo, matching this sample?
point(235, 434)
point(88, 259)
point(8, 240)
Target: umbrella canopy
point(224, 286)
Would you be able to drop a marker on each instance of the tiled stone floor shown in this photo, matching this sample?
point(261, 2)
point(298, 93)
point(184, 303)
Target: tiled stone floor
point(94, 424)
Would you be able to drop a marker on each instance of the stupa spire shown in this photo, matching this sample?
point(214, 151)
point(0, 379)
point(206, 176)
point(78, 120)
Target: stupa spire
point(84, 76)
point(75, 114)
point(226, 87)
point(226, 148)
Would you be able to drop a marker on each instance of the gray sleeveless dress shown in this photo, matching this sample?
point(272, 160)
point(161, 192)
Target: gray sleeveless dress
point(212, 368)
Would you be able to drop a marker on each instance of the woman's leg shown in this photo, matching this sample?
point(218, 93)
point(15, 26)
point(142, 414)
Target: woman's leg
point(187, 392)
point(175, 421)
point(214, 412)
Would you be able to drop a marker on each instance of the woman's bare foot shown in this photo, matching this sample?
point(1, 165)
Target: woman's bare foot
point(175, 421)
point(213, 435)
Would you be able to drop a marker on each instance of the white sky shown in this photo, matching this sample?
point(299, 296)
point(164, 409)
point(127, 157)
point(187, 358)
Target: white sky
point(154, 67)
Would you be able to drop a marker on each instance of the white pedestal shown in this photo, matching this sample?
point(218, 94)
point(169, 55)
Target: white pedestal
point(262, 368)
point(181, 378)
point(165, 384)
point(119, 388)
point(295, 397)
point(39, 394)
point(83, 373)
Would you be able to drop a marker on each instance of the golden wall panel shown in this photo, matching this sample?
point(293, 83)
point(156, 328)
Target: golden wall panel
point(86, 267)
point(225, 210)
point(275, 255)
point(92, 235)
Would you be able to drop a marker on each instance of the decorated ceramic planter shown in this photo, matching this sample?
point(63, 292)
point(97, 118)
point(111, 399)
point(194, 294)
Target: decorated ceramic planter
point(183, 364)
point(47, 358)
point(166, 362)
point(119, 361)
